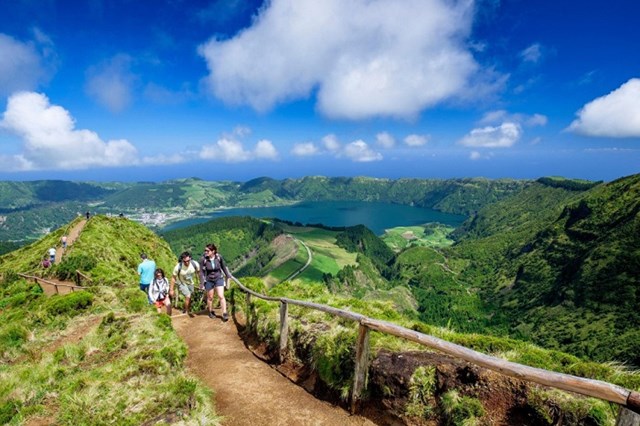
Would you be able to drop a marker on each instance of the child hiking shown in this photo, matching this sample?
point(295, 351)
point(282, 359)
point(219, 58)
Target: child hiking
point(159, 292)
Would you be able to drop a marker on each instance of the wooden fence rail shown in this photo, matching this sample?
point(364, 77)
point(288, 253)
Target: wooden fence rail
point(39, 280)
point(628, 400)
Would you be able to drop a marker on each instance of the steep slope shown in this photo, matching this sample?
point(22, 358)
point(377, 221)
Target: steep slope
point(577, 284)
point(558, 263)
point(100, 356)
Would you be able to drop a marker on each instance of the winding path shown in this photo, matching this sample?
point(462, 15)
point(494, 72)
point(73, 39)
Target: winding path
point(305, 266)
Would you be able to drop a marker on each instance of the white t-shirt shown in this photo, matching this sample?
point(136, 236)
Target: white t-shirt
point(186, 274)
point(52, 251)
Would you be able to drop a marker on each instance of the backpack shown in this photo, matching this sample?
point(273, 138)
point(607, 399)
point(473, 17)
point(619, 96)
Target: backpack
point(195, 265)
point(213, 262)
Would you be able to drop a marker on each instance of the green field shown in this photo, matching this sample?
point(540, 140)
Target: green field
point(327, 256)
point(429, 235)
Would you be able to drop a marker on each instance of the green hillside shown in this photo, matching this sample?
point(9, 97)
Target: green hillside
point(99, 356)
point(234, 237)
point(577, 282)
point(558, 264)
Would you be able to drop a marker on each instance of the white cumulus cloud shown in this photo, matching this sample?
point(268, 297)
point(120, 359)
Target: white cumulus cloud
point(385, 140)
point(305, 149)
point(363, 58)
point(111, 83)
point(265, 149)
point(51, 141)
point(230, 150)
point(331, 143)
point(615, 115)
point(503, 136)
point(416, 140)
point(22, 64)
point(360, 152)
point(493, 117)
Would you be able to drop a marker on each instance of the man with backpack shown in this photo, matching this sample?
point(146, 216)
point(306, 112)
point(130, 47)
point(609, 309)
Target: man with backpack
point(184, 273)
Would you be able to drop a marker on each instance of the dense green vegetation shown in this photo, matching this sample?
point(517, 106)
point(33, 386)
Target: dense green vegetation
point(559, 266)
point(124, 364)
point(234, 237)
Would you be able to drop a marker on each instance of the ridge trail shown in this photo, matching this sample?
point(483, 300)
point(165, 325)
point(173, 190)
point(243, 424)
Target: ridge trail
point(71, 237)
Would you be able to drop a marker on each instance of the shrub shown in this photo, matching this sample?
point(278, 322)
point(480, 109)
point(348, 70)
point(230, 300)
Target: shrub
point(70, 304)
point(66, 270)
point(13, 336)
point(8, 410)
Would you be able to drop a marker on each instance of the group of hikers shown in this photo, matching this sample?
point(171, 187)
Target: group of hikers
point(210, 271)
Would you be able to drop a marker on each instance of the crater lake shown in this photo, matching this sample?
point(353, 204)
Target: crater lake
point(376, 216)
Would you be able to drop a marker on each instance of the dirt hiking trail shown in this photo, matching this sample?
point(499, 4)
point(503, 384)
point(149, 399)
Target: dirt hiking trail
point(247, 390)
point(71, 237)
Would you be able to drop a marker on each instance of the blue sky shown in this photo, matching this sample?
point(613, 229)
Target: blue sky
point(232, 90)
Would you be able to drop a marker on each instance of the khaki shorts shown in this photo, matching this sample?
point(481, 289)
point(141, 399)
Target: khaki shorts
point(185, 289)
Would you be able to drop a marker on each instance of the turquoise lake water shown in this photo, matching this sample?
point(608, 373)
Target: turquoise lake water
point(375, 216)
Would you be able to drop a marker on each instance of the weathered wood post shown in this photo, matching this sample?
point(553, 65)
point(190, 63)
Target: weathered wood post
point(362, 366)
point(247, 301)
point(627, 417)
point(284, 330)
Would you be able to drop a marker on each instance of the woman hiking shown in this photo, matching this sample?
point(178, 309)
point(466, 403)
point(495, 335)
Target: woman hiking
point(212, 267)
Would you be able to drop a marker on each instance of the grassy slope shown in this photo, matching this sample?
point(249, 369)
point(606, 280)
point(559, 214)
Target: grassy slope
point(125, 363)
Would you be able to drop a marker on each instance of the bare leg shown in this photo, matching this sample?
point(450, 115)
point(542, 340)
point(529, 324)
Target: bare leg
point(223, 303)
point(210, 300)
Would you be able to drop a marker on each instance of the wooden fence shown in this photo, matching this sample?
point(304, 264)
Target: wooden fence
point(628, 400)
point(57, 286)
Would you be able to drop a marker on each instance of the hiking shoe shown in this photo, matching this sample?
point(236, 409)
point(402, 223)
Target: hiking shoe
point(212, 315)
point(184, 311)
point(225, 317)
point(191, 315)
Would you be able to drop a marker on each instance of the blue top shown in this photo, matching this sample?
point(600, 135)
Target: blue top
point(146, 269)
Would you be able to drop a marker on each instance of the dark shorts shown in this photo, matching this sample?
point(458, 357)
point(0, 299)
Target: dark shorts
point(144, 287)
point(209, 285)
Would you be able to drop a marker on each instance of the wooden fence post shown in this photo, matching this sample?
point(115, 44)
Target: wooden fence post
point(627, 417)
point(247, 300)
point(284, 330)
point(362, 366)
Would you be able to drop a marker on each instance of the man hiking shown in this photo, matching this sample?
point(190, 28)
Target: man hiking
point(184, 273)
point(146, 269)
